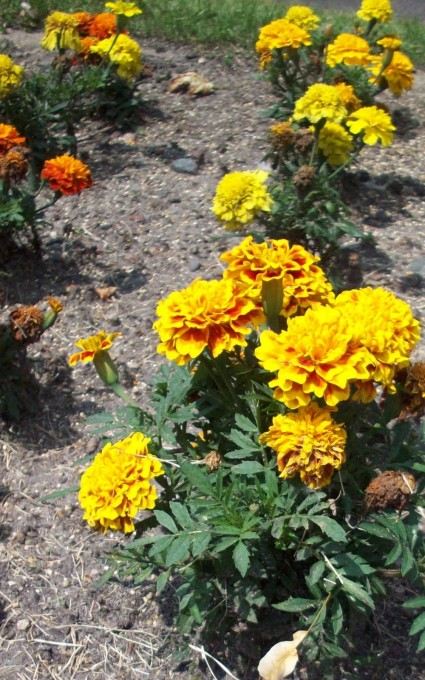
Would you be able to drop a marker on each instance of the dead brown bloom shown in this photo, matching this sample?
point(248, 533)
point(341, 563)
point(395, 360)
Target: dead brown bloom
point(14, 164)
point(303, 140)
point(304, 177)
point(282, 135)
point(212, 460)
point(391, 489)
point(413, 395)
point(26, 324)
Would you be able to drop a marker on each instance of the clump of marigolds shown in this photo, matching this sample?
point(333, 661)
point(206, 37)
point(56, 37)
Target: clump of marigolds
point(273, 458)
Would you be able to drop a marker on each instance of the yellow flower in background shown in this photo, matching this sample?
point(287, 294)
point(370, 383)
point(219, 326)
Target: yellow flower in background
point(240, 196)
point(383, 324)
point(303, 17)
point(335, 143)
point(390, 42)
point(320, 101)
point(378, 10)
point(304, 282)
point(348, 49)
point(61, 32)
point(122, 51)
point(10, 75)
point(315, 357)
point(126, 9)
point(373, 124)
point(308, 443)
point(117, 485)
point(92, 346)
point(348, 96)
point(213, 315)
point(398, 73)
point(280, 34)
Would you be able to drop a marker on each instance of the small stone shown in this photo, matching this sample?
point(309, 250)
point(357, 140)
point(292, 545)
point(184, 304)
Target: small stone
point(22, 624)
point(185, 165)
point(194, 264)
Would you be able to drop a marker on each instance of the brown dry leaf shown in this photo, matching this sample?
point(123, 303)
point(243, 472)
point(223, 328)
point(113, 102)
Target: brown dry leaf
point(192, 83)
point(281, 659)
point(106, 293)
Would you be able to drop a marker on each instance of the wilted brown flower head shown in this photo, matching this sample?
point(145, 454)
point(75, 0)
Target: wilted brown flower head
point(282, 135)
point(303, 139)
point(304, 177)
point(26, 324)
point(212, 460)
point(391, 489)
point(14, 164)
point(413, 395)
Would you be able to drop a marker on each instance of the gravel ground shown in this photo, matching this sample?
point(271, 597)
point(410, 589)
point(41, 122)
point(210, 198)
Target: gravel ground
point(147, 229)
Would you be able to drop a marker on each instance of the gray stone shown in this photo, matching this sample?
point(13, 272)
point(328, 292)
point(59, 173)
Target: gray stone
point(185, 165)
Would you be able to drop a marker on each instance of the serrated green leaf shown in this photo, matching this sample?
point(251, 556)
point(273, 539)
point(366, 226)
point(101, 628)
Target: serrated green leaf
point(330, 527)
point(162, 581)
point(160, 545)
point(178, 551)
point(241, 558)
point(394, 554)
point(245, 424)
point(356, 591)
point(200, 543)
point(296, 604)
point(407, 561)
point(197, 478)
point(418, 624)
point(182, 515)
point(415, 602)
point(248, 467)
point(225, 543)
point(166, 520)
point(336, 617)
point(375, 530)
point(316, 572)
point(185, 601)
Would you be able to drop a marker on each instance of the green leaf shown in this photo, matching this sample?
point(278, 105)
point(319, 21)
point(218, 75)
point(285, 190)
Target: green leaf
point(356, 591)
point(421, 643)
point(295, 604)
point(160, 545)
point(415, 602)
point(178, 550)
point(337, 617)
point(316, 572)
point(225, 543)
point(182, 515)
point(162, 581)
point(59, 494)
point(331, 528)
point(375, 529)
point(407, 561)
point(197, 478)
point(245, 424)
point(248, 467)
point(200, 543)
point(166, 520)
point(241, 558)
point(394, 554)
point(418, 624)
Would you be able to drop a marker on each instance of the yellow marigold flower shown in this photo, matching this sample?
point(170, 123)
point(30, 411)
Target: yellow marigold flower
point(10, 75)
point(308, 443)
point(9, 137)
point(315, 357)
point(117, 485)
point(320, 101)
point(378, 10)
point(61, 32)
point(92, 346)
point(240, 196)
point(303, 17)
point(398, 74)
point(335, 143)
point(390, 42)
point(304, 282)
point(280, 34)
point(212, 315)
point(122, 51)
point(126, 9)
point(384, 325)
point(373, 124)
point(348, 49)
point(348, 96)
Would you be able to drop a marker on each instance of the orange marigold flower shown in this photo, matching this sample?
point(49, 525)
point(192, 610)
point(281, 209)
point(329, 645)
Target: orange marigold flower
point(214, 315)
point(303, 281)
point(308, 443)
point(117, 485)
point(348, 49)
point(84, 20)
point(9, 137)
point(103, 25)
point(67, 174)
point(92, 346)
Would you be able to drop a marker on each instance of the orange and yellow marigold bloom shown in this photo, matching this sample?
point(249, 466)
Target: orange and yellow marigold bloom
point(118, 484)
point(372, 124)
point(320, 101)
point(67, 174)
point(303, 282)
point(308, 443)
point(280, 34)
point(92, 346)
point(398, 73)
point(240, 196)
point(375, 10)
point(207, 315)
point(102, 25)
point(9, 137)
point(348, 49)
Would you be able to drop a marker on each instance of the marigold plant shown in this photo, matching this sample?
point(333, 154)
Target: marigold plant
point(67, 175)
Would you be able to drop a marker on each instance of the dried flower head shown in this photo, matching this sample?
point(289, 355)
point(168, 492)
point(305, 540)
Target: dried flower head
point(304, 139)
point(240, 196)
point(67, 174)
point(212, 460)
point(308, 443)
point(304, 176)
point(391, 489)
point(282, 134)
point(413, 394)
point(26, 324)
point(10, 76)
point(118, 484)
point(14, 165)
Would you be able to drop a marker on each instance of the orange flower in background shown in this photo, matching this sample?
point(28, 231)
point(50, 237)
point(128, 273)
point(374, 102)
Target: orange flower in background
point(9, 137)
point(84, 20)
point(67, 174)
point(86, 44)
point(103, 25)
point(91, 346)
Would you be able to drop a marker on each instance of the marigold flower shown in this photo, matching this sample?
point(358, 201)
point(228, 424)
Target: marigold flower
point(308, 443)
point(348, 96)
point(86, 44)
point(348, 49)
point(303, 17)
point(383, 324)
point(373, 124)
point(14, 164)
point(67, 174)
point(9, 137)
point(335, 143)
point(103, 25)
point(280, 34)
point(320, 101)
point(240, 196)
point(378, 10)
point(92, 345)
point(10, 75)
point(84, 20)
point(117, 485)
point(61, 32)
point(398, 73)
point(303, 281)
point(122, 51)
point(214, 315)
point(126, 9)
point(390, 42)
point(315, 356)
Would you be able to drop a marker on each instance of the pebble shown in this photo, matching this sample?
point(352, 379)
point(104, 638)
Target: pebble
point(185, 165)
point(194, 264)
point(22, 624)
